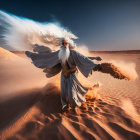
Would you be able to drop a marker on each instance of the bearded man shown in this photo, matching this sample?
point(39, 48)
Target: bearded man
point(68, 62)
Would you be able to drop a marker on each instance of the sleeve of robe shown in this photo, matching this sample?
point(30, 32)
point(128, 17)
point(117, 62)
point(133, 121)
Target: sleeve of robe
point(50, 72)
point(43, 60)
point(84, 64)
point(47, 61)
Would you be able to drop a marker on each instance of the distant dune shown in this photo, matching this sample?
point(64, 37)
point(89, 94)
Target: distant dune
point(122, 51)
point(7, 55)
point(18, 52)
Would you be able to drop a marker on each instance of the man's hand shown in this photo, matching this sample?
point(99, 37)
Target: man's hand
point(98, 58)
point(97, 68)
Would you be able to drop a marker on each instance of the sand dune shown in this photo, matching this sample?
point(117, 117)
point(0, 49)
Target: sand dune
point(95, 119)
point(17, 73)
point(32, 110)
point(7, 55)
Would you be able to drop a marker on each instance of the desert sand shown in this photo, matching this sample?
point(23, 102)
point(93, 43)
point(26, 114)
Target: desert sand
point(30, 107)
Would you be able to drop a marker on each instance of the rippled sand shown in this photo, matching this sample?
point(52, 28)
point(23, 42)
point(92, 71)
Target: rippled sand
point(113, 90)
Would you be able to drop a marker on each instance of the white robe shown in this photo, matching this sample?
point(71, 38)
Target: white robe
point(71, 89)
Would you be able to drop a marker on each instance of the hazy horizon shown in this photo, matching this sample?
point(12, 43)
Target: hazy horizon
point(91, 50)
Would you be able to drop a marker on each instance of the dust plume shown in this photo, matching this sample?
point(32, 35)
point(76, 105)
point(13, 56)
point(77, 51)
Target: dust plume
point(83, 49)
point(21, 33)
point(93, 92)
point(111, 69)
point(128, 68)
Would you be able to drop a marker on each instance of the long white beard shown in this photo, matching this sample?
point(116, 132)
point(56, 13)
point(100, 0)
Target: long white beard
point(64, 54)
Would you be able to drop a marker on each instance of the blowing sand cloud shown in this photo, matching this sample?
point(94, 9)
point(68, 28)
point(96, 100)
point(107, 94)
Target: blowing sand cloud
point(20, 33)
point(127, 68)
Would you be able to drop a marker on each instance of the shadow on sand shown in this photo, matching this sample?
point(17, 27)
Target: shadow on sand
point(93, 120)
point(11, 110)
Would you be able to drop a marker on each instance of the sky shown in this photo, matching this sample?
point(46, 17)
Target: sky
point(99, 24)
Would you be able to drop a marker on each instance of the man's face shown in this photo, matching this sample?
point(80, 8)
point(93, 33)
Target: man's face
point(66, 43)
